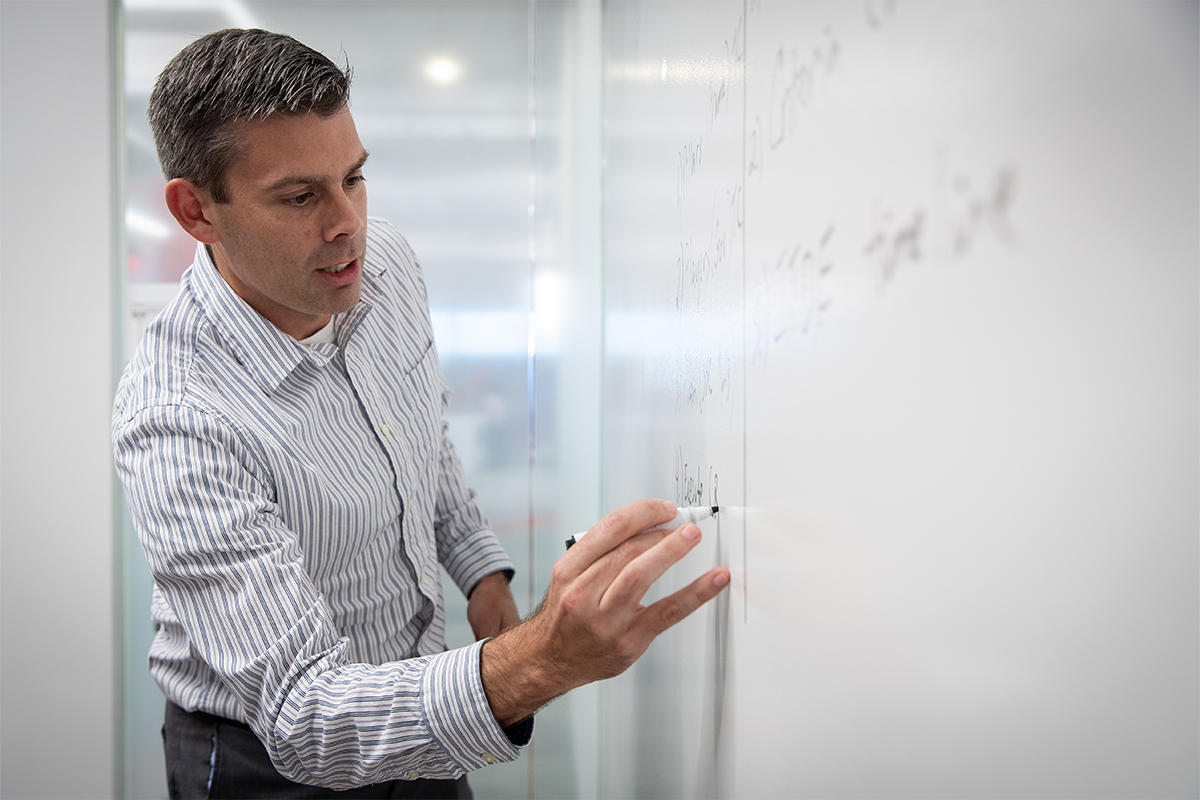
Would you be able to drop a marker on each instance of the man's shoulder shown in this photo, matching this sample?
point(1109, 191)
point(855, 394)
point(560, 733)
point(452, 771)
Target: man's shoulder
point(381, 226)
point(387, 248)
point(174, 354)
point(393, 267)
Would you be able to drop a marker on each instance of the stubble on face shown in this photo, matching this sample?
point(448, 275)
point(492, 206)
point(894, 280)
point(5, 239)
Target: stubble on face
point(295, 285)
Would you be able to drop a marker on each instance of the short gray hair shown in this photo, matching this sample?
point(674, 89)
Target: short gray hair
point(233, 76)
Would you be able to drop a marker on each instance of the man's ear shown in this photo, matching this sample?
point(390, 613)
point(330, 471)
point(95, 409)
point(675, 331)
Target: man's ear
point(189, 204)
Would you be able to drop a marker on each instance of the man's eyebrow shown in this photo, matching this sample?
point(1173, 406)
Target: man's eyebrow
point(300, 180)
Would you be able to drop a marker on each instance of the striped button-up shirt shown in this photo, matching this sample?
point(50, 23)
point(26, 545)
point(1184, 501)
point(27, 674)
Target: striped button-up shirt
point(294, 503)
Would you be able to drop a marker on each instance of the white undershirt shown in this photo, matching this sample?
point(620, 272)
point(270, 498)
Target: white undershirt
point(323, 336)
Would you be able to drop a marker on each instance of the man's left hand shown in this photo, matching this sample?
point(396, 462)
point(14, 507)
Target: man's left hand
point(491, 608)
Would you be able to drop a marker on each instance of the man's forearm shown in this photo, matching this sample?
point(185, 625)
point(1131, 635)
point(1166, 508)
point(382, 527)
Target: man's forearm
point(516, 685)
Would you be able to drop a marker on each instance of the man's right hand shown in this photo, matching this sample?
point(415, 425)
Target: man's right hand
point(592, 624)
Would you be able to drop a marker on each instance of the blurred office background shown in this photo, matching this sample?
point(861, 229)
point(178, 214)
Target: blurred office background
point(482, 119)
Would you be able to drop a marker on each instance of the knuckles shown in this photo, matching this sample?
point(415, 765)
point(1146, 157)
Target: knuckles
point(630, 549)
point(633, 517)
point(558, 573)
point(627, 650)
point(572, 602)
point(599, 637)
point(673, 614)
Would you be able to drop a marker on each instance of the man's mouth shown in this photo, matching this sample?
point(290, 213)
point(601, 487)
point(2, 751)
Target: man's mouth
point(336, 268)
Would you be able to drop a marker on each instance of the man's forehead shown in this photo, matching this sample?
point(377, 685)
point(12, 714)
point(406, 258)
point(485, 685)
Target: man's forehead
point(293, 145)
point(298, 178)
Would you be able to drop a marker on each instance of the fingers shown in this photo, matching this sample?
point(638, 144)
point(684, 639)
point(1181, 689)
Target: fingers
point(614, 565)
point(670, 610)
point(612, 530)
point(635, 578)
point(627, 522)
point(592, 624)
point(601, 574)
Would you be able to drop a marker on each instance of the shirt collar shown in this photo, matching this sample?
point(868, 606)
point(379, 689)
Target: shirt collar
point(266, 352)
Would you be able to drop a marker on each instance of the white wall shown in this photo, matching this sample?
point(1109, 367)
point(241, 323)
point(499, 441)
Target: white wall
point(57, 730)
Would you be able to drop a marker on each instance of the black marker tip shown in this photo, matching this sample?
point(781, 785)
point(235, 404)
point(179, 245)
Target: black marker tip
point(715, 509)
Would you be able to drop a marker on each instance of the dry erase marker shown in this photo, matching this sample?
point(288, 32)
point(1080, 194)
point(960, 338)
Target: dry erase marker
point(682, 517)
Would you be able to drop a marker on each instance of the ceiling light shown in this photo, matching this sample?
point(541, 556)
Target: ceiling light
point(442, 70)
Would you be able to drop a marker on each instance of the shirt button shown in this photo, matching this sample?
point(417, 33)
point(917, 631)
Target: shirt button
point(488, 758)
point(413, 775)
point(383, 429)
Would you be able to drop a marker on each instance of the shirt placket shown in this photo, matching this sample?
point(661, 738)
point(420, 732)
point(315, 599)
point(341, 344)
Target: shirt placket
point(388, 424)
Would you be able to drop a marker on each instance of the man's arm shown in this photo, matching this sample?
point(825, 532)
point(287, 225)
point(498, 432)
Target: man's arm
point(470, 551)
point(234, 576)
point(491, 608)
point(592, 624)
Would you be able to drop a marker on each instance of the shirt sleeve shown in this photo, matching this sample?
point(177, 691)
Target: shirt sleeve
point(467, 547)
point(233, 574)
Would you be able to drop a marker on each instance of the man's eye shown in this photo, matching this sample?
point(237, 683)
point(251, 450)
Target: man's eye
point(299, 199)
point(355, 180)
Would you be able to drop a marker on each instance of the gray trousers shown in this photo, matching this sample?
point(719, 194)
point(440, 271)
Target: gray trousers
point(214, 757)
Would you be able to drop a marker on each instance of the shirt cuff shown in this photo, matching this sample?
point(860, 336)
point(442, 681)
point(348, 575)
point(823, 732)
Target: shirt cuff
point(458, 713)
point(475, 556)
point(520, 733)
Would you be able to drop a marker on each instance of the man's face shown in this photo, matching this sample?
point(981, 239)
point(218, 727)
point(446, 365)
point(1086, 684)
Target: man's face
point(291, 240)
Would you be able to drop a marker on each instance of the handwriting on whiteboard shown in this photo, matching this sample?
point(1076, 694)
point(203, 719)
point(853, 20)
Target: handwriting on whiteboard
point(896, 240)
point(797, 76)
point(879, 12)
point(976, 211)
point(900, 239)
point(713, 381)
point(710, 229)
point(699, 262)
point(791, 296)
point(691, 156)
point(695, 484)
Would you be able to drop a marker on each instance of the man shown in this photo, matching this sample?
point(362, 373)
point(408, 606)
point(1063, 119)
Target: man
point(280, 441)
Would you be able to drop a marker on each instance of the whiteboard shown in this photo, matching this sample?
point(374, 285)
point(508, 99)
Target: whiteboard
point(912, 291)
